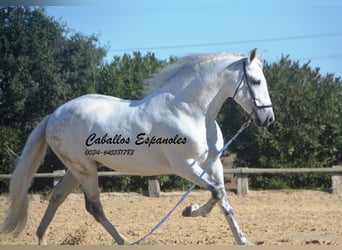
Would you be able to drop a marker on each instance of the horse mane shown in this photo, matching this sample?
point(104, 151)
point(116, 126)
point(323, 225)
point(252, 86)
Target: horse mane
point(186, 66)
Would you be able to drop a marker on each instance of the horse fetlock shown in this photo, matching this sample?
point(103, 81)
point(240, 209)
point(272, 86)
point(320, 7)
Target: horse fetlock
point(42, 236)
point(244, 241)
point(123, 240)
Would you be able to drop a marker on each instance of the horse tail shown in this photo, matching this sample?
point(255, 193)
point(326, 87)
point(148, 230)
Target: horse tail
point(32, 156)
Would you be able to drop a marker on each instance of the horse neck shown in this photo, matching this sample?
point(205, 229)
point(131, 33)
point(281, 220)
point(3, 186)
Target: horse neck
point(225, 86)
point(205, 93)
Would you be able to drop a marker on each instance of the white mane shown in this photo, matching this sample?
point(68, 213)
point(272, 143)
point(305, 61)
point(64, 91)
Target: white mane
point(186, 67)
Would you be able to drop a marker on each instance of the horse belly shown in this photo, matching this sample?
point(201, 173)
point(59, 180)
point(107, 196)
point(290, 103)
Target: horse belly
point(133, 161)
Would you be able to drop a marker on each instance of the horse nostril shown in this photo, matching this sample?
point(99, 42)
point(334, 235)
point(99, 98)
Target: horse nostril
point(270, 120)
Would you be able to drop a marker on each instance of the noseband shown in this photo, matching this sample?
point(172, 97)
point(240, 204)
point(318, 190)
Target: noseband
point(250, 90)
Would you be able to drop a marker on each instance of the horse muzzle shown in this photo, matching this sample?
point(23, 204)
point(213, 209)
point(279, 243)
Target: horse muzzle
point(263, 117)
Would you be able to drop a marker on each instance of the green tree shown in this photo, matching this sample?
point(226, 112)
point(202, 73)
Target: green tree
point(308, 127)
point(42, 66)
point(124, 77)
point(9, 144)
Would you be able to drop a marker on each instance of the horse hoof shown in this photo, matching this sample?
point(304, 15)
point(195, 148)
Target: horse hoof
point(189, 211)
point(246, 242)
point(186, 212)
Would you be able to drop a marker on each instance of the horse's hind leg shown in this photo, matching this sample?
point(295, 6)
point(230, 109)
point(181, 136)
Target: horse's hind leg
point(94, 206)
point(61, 191)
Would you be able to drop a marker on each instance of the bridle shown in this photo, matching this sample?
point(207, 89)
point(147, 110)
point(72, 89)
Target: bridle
point(246, 80)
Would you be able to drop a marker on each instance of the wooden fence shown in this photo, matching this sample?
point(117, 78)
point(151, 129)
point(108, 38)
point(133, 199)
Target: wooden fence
point(242, 177)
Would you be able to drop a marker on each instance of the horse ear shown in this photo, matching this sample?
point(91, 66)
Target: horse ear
point(252, 55)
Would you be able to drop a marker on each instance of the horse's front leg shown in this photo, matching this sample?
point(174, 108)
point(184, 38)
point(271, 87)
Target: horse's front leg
point(214, 181)
point(61, 191)
point(228, 212)
point(196, 210)
point(218, 175)
point(219, 195)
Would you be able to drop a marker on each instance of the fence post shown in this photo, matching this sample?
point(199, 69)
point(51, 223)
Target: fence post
point(153, 186)
point(336, 181)
point(242, 182)
point(59, 178)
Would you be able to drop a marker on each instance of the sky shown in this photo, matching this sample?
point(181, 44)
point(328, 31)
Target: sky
point(304, 30)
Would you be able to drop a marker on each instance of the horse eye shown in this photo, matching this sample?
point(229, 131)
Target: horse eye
point(255, 82)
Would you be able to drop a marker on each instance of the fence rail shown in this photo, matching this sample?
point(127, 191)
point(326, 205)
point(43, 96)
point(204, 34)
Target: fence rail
point(242, 176)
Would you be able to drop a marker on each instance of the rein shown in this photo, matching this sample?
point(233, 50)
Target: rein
point(205, 170)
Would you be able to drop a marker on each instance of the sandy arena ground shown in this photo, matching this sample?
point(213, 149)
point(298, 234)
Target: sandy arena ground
point(267, 217)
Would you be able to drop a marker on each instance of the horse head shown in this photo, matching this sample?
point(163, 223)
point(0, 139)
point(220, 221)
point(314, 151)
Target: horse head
point(251, 91)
